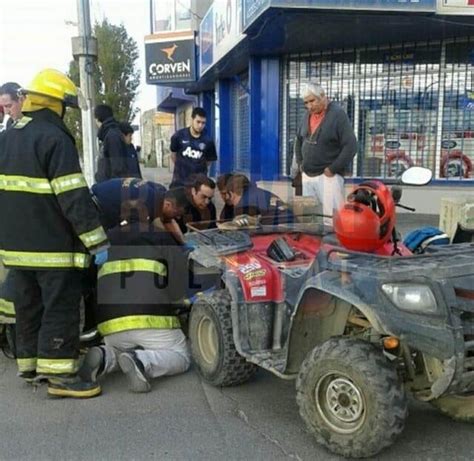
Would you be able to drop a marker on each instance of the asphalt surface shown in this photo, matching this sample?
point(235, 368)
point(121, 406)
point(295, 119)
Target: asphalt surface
point(185, 419)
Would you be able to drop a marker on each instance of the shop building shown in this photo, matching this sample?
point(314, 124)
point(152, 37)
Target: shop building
point(402, 69)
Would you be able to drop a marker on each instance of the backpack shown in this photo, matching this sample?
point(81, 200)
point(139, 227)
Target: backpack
point(417, 241)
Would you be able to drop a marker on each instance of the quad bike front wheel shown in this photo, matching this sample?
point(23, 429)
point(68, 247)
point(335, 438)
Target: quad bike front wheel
point(212, 342)
point(351, 398)
point(457, 407)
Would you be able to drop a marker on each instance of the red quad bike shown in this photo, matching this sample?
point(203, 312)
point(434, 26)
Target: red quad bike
point(355, 318)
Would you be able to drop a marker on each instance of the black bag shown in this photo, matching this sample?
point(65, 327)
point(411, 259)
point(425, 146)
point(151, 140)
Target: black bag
point(280, 251)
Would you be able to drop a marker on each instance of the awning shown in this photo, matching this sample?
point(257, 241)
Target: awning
point(175, 98)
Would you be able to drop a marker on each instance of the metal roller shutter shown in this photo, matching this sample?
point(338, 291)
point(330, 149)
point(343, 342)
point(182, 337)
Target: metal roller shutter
point(241, 124)
point(410, 104)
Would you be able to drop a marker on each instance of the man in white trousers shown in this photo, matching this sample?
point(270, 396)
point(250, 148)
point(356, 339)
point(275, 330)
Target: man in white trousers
point(324, 148)
point(138, 291)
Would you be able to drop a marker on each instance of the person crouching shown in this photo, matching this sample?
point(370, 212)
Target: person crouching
point(136, 304)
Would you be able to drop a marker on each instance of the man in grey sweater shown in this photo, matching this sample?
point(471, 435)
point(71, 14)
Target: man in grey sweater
point(324, 148)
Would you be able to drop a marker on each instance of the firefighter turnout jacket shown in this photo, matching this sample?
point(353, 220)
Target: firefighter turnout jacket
point(49, 220)
point(141, 284)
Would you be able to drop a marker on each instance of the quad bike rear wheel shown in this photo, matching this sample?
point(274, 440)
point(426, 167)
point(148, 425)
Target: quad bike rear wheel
point(212, 342)
point(457, 407)
point(351, 397)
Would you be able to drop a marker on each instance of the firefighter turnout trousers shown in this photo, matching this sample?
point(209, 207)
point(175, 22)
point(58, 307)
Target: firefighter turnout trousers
point(47, 317)
point(7, 308)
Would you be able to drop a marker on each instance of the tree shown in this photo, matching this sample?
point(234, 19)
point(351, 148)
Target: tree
point(116, 76)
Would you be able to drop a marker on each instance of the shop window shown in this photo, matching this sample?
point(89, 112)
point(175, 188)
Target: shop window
point(457, 142)
point(396, 97)
point(183, 14)
point(398, 91)
point(172, 15)
point(163, 10)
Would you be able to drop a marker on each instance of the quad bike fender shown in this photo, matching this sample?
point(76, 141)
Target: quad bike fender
point(321, 312)
point(233, 286)
point(334, 284)
point(426, 334)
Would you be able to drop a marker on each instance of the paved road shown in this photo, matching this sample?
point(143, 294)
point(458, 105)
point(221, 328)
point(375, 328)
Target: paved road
point(184, 419)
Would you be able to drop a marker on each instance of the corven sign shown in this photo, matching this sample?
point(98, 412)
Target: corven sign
point(169, 61)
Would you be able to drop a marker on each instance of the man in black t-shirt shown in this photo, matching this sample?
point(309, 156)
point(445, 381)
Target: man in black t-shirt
point(192, 151)
point(200, 208)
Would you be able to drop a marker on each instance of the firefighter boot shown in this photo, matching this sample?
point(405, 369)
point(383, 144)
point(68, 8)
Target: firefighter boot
point(135, 372)
point(72, 386)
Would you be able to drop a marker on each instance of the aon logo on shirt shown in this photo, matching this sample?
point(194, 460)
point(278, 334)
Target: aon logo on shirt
point(191, 153)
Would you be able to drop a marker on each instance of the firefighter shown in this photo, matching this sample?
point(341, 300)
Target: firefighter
point(50, 228)
point(138, 291)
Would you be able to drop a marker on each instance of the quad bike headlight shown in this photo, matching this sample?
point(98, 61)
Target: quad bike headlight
point(412, 297)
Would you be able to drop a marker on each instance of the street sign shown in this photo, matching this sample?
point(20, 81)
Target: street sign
point(170, 59)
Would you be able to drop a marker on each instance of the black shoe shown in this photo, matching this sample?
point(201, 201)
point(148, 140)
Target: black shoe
point(73, 387)
point(135, 372)
point(93, 365)
point(28, 376)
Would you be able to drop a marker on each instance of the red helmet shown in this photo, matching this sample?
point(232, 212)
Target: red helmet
point(366, 221)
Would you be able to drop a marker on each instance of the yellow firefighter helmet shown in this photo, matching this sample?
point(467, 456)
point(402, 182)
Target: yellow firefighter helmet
point(54, 84)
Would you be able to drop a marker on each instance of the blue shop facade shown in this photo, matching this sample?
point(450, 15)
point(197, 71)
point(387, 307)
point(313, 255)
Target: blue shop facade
point(402, 69)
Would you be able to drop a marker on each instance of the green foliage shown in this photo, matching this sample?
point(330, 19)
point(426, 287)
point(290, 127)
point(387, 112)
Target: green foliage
point(116, 64)
point(116, 77)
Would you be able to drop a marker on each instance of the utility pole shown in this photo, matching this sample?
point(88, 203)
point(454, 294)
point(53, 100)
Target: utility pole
point(84, 48)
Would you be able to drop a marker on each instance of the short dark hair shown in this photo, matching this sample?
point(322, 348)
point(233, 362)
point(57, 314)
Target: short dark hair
point(198, 111)
point(178, 196)
point(103, 112)
point(238, 183)
point(134, 210)
point(10, 88)
point(199, 180)
point(126, 128)
point(223, 179)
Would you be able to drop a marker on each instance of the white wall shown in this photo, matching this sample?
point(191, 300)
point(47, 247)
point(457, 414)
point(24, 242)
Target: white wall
point(426, 199)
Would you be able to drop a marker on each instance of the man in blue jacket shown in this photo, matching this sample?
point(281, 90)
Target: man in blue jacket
point(247, 198)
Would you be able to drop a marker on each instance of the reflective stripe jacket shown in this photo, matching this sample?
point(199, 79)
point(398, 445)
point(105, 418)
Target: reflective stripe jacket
point(49, 220)
point(142, 281)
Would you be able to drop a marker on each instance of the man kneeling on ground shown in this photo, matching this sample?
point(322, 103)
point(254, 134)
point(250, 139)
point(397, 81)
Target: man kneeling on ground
point(137, 303)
